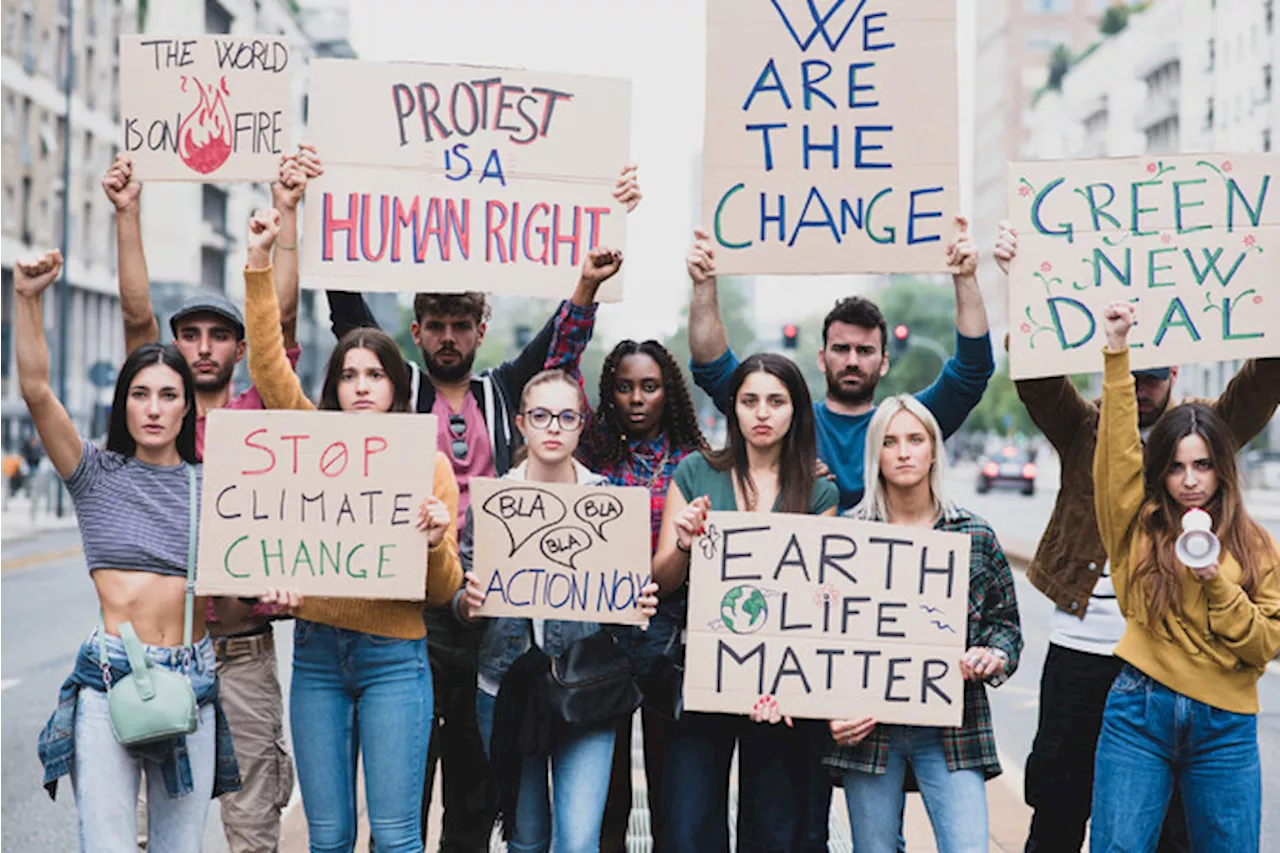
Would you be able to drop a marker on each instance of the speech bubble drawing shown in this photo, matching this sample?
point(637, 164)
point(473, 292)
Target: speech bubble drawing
point(563, 544)
point(524, 511)
point(597, 510)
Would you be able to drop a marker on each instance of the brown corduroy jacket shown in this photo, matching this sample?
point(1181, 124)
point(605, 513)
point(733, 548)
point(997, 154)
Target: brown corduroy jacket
point(1070, 556)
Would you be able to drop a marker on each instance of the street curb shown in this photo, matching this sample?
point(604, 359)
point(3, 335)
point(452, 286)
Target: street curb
point(43, 557)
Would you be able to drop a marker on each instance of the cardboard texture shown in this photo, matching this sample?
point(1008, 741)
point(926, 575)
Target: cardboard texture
point(1192, 240)
point(834, 618)
point(828, 147)
point(206, 108)
point(558, 551)
point(454, 177)
point(322, 502)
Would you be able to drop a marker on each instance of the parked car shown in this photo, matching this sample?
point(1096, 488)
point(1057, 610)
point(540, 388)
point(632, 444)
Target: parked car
point(1010, 468)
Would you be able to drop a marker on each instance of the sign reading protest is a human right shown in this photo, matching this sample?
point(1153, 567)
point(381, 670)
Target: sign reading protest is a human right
point(561, 551)
point(832, 135)
point(456, 177)
point(206, 108)
point(834, 618)
point(1192, 240)
point(321, 502)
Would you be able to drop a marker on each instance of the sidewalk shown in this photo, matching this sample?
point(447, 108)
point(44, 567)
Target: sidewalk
point(19, 521)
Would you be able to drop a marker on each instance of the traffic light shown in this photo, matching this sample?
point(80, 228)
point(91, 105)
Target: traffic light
point(790, 336)
point(901, 338)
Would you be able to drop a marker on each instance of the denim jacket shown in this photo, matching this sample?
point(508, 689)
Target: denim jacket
point(57, 744)
point(504, 639)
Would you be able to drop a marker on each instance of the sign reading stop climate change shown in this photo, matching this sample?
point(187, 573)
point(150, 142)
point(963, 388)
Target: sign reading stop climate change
point(558, 551)
point(451, 177)
point(322, 502)
point(832, 135)
point(834, 618)
point(208, 108)
point(1192, 240)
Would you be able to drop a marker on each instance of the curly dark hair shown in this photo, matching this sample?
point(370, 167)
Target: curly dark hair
point(856, 311)
point(605, 442)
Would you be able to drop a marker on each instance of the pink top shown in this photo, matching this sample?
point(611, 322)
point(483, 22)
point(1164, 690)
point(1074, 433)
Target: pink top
point(478, 460)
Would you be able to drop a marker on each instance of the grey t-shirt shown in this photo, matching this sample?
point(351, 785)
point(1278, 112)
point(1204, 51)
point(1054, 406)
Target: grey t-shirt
point(132, 515)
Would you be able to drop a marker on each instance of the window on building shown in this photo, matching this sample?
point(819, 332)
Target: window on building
point(213, 208)
point(10, 115)
point(90, 90)
point(1266, 139)
point(28, 41)
point(1211, 56)
point(86, 233)
point(24, 209)
point(1266, 83)
point(216, 18)
point(1208, 115)
point(213, 269)
point(61, 60)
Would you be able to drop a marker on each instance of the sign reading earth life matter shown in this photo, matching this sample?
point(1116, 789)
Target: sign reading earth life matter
point(834, 618)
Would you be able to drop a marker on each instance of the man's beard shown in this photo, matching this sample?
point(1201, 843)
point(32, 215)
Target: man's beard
point(215, 383)
point(1148, 420)
point(857, 397)
point(449, 373)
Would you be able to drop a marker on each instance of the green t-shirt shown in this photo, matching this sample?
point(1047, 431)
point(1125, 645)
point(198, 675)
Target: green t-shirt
point(694, 477)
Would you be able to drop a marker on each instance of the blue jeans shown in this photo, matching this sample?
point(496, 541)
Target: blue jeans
point(1152, 735)
point(106, 776)
point(355, 692)
point(955, 799)
point(569, 821)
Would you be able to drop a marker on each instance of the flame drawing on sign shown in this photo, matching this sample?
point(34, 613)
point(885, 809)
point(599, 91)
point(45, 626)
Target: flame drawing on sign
point(204, 137)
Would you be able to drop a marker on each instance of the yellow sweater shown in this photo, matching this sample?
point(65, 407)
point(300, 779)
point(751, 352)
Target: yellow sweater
point(1219, 648)
point(280, 389)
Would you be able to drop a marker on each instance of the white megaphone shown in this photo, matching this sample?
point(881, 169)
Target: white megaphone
point(1197, 547)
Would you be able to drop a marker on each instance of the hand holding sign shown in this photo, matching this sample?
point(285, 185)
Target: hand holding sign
point(691, 522)
point(962, 252)
point(286, 600)
point(1006, 246)
point(433, 519)
point(472, 596)
point(289, 185)
point(627, 190)
point(766, 710)
point(701, 260)
point(1117, 319)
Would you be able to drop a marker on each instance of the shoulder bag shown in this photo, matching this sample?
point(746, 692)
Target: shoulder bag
point(591, 682)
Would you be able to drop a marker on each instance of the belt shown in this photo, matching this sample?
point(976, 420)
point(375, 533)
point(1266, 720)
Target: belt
point(238, 647)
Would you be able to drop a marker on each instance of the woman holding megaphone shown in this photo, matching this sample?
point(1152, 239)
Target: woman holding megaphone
point(1200, 629)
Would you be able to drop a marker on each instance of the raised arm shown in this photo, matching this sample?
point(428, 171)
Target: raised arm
point(61, 441)
point(711, 361)
point(286, 192)
point(1250, 399)
point(1117, 458)
point(576, 319)
point(971, 311)
point(269, 367)
point(125, 192)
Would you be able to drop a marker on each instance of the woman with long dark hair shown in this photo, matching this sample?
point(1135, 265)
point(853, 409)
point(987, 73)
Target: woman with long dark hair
point(1199, 633)
point(644, 426)
point(136, 503)
point(361, 683)
point(766, 466)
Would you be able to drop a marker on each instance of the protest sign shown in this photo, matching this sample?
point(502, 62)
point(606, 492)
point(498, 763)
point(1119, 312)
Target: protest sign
point(206, 108)
point(832, 138)
point(834, 618)
point(1192, 240)
point(322, 502)
point(559, 551)
point(451, 177)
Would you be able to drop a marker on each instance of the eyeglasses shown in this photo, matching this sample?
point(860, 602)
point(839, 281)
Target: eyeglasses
point(570, 420)
point(458, 428)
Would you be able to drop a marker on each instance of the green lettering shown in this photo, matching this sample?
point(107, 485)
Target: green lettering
point(350, 571)
point(1152, 268)
point(1176, 317)
point(226, 559)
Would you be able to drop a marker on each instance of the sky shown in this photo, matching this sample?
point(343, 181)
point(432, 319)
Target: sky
point(660, 46)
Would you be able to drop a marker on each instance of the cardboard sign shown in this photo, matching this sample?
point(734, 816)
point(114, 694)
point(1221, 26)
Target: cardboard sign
point(449, 177)
point(1192, 240)
point(834, 618)
point(832, 137)
point(207, 108)
point(322, 502)
point(557, 551)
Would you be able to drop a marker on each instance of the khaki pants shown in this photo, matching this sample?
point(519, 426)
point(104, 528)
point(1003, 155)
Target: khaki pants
point(250, 694)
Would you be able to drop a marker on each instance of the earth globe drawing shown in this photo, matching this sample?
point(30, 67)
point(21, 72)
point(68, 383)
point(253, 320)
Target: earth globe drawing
point(744, 610)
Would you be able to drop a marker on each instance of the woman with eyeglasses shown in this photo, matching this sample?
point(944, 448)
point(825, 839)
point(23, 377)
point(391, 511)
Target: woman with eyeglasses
point(566, 815)
point(361, 684)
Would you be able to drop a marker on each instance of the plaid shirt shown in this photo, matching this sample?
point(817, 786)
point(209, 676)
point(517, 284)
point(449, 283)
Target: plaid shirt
point(571, 333)
point(638, 470)
point(993, 622)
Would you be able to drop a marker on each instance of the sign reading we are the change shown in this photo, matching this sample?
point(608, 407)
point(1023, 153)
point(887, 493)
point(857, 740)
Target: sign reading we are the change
point(1192, 240)
point(834, 618)
point(322, 502)
point(832, 135)
point(206, 108)
point(561, 551)
point(456, 177)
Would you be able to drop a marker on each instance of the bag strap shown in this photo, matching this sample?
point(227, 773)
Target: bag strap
point(139, 666)
point(190, 602)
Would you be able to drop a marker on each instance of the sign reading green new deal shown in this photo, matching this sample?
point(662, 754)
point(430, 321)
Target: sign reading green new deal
point(834, 618)
point(322, 502)
point(1192, 240)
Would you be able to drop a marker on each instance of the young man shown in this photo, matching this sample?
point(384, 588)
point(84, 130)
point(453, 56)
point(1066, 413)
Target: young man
point(209, 332)
point(476, 430)
point(853, 358)
point(1070, 566)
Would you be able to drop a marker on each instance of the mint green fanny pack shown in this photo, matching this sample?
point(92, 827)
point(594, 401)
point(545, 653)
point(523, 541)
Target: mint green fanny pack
point(152, 703)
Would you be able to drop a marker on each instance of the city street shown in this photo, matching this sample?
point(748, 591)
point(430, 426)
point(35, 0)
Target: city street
point(48, 606)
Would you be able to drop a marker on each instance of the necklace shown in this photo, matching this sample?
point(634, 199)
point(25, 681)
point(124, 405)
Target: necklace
point(656, 468)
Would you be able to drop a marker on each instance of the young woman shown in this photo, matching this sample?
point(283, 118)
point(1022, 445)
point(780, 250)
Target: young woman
point(767, 466)
point(645, 425)
point(1196, 640)
point(134, 506)
point(361, 683)
point(905, 469)
point(551, 417)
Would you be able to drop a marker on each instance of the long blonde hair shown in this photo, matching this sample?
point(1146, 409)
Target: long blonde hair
point(874, 504)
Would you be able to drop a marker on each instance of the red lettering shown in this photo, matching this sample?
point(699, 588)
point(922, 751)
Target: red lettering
point(493, 242)
point(295, 439)
point(370, 449)
point(330, 226)
point(248, 442)
point(330, 459)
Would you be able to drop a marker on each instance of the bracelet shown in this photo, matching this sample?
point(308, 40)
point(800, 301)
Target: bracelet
point(292, 248)
point(688, 550)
